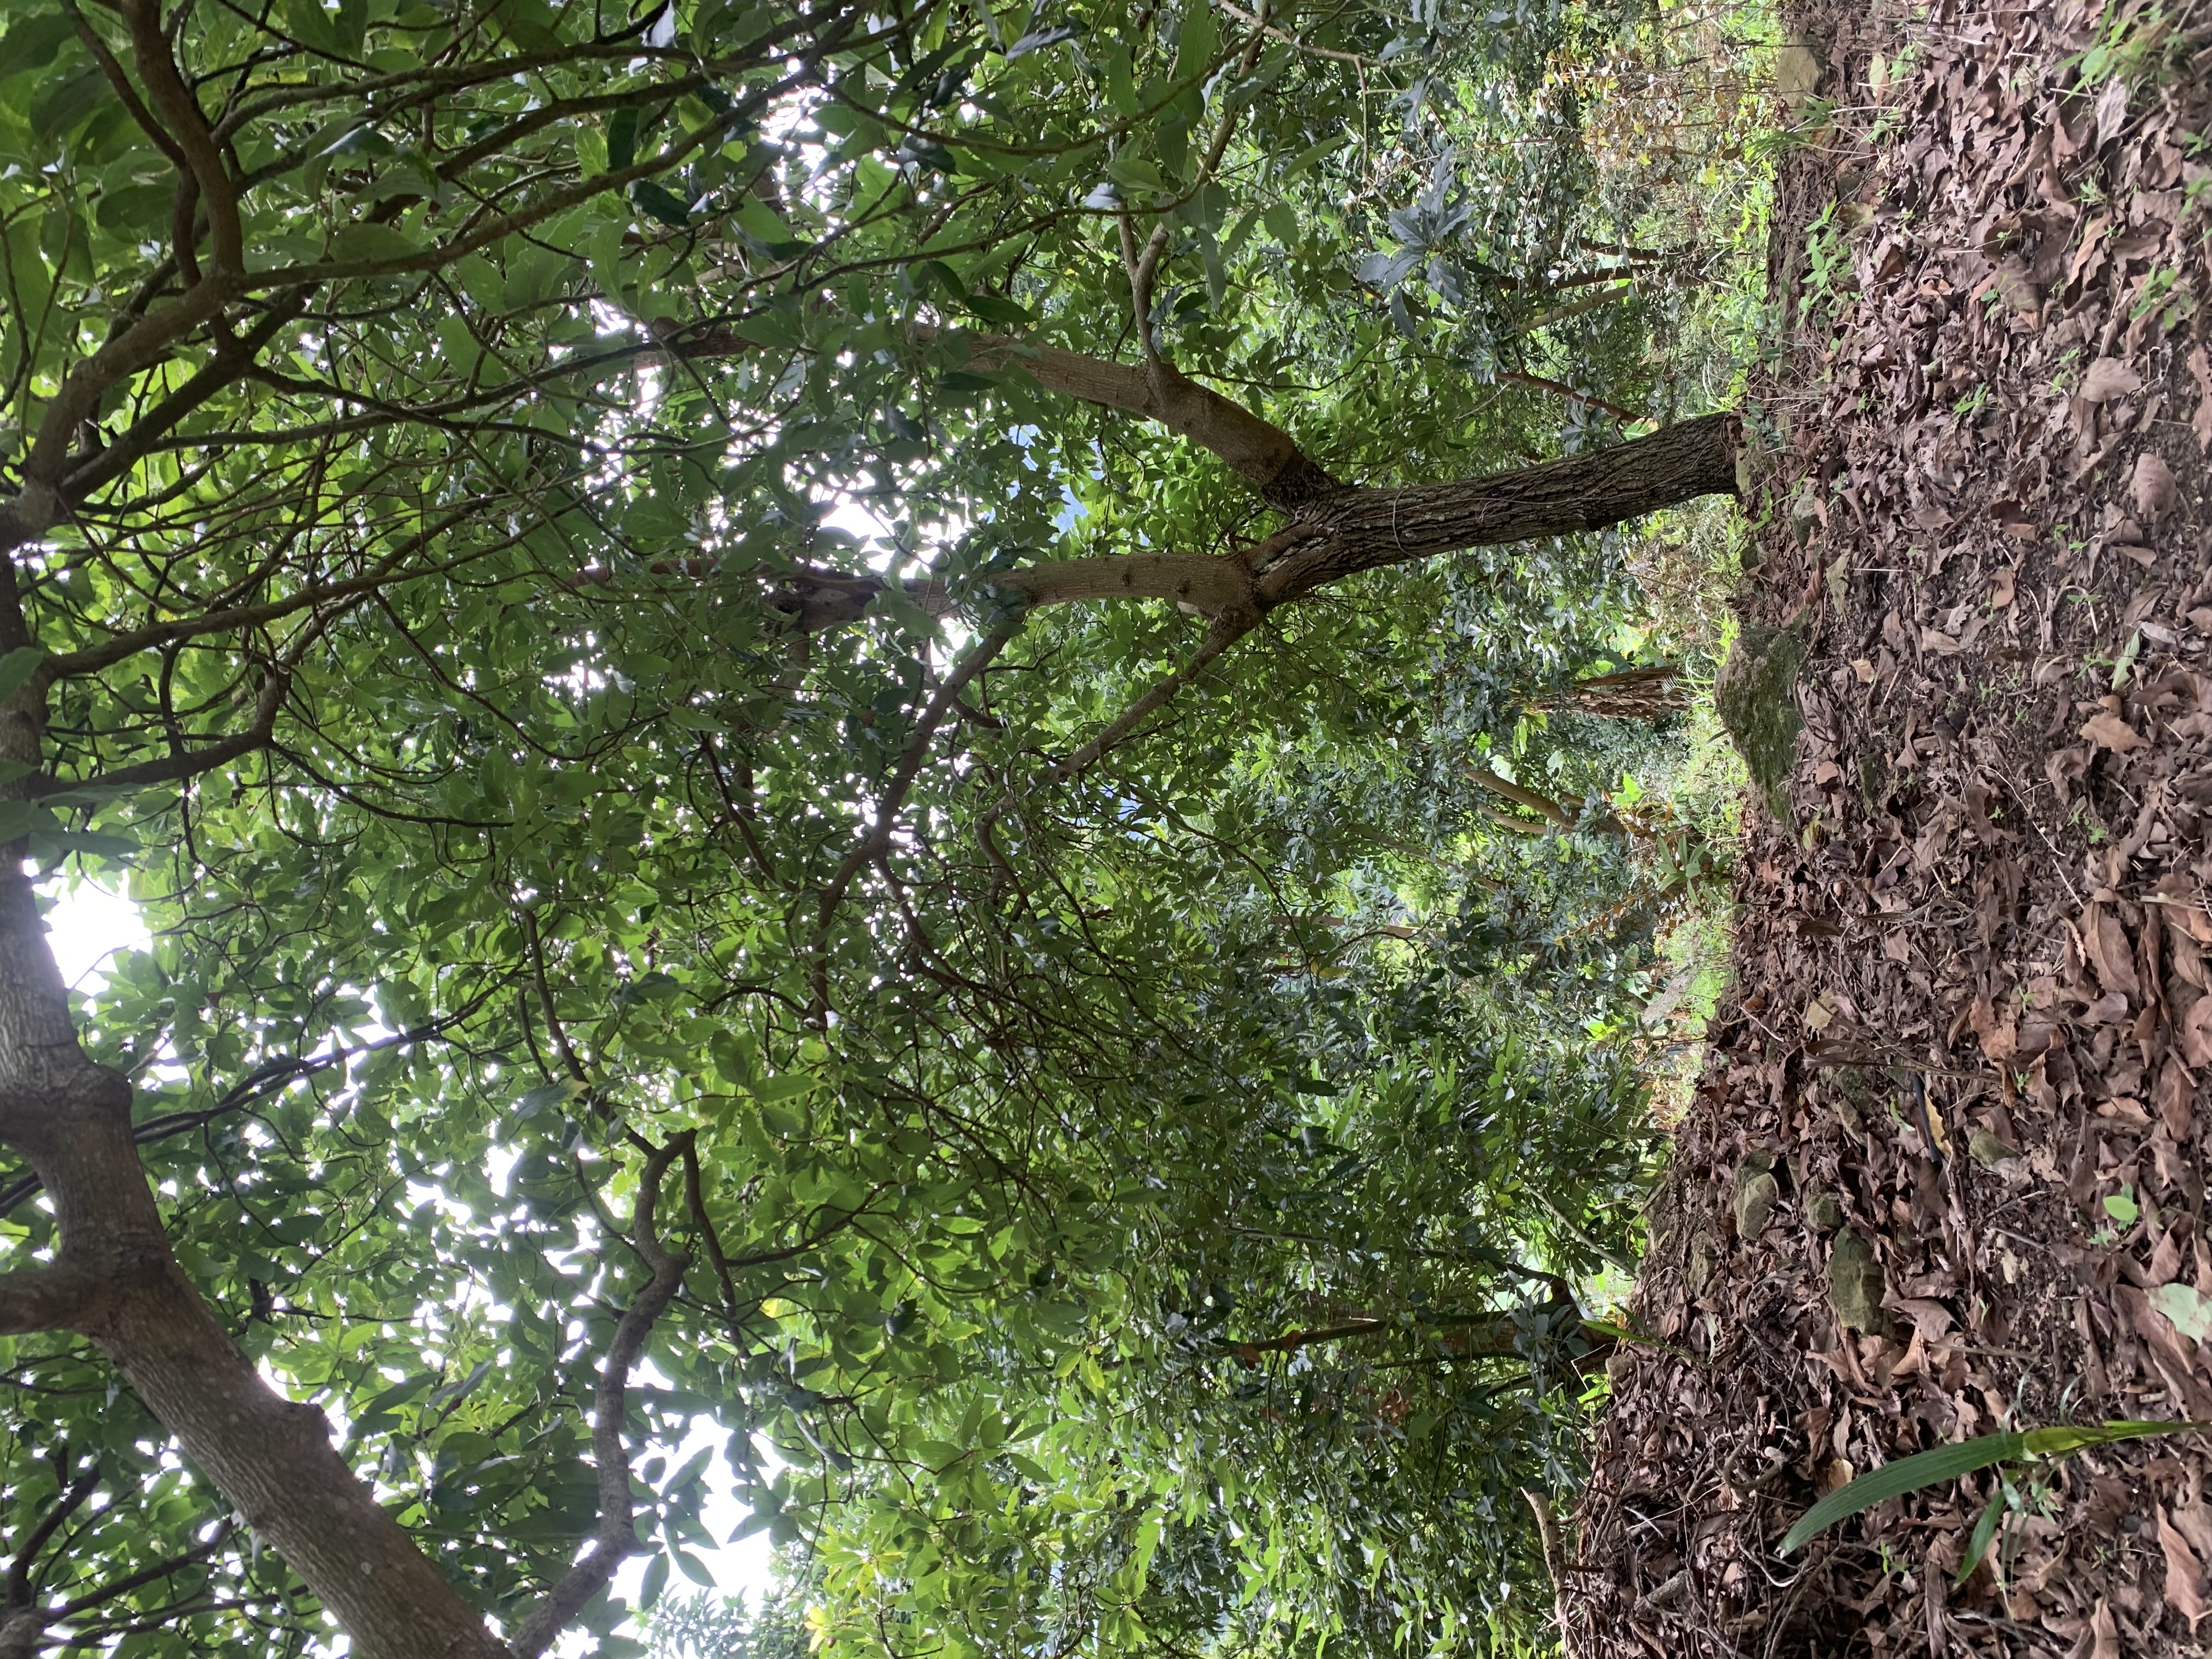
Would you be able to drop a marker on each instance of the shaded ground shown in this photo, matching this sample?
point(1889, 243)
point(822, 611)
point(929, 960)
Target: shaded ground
point(1961, 1094)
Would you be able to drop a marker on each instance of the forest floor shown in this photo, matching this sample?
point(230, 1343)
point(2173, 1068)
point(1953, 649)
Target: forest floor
point(1944, 1171)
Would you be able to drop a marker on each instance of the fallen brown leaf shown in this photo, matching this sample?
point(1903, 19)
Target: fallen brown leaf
point(2153, 486)
point(2114, 958)
point(2197, 1034)
point(2109, 378)
point(2104, 1634)
point(2184, 1591)
point(2174, 1092)
point(2111, 732)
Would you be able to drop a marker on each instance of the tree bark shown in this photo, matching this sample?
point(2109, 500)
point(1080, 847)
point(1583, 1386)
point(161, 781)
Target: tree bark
point(1369, 529)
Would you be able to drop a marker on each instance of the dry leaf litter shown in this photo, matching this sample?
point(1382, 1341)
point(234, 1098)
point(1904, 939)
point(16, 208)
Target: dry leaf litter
point(1945, 1172)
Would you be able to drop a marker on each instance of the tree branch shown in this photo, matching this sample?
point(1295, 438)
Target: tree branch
point(58, 1297)
point(1560, 388)
point(545, 998)
point(19, 1570)
point(972, 662)
point(615, 1538)
point(1225, 632)
point(1259, 450)
point(1520, 795)
point(188, 128)
point(1289, 39)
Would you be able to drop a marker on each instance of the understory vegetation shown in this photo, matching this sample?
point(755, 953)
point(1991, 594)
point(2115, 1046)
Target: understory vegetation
point(952, 769)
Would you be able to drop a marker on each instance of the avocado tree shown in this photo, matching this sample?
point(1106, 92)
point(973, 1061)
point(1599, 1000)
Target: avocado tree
point(702, 631)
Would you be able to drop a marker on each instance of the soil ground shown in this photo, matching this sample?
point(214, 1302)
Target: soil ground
point(1944, 1173)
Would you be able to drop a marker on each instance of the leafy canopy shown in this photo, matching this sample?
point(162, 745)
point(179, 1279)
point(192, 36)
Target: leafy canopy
point(1127, 1204)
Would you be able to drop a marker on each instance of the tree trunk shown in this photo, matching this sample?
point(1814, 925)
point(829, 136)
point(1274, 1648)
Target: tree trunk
point(1633, 694)
point(1367, 529)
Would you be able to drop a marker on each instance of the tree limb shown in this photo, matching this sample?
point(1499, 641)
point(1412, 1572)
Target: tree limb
point(972, 662)
point(615, 1540)
point(1225, 632)
point(1555, 1564)
point(56, 1297)
point(188, 128)
point(19, 1570)
point(1259, 450)
point(1520, 795)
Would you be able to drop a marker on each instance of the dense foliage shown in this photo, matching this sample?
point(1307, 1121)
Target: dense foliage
point(1134, 1194)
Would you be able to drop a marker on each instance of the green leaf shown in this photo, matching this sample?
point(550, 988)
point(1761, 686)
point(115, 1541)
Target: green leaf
point(622, 138)
point(1199, 40)
point(2122, 1207)
point(1930, 1468)
point(773, 1091)
point(1979, 1544)
point(68, 101)
point(2065, 1439)
point(1926, 1468)
point(660, 202)
point(31, 42)
point(362, 242)
point(544, 1095)
point(311, 26)
point(1135, 173)
point(992, 309)
point(2189, 1308)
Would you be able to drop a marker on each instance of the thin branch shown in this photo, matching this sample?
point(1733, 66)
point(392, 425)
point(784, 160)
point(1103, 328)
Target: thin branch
point(1225, 632)
point(1555, 1564)
point(19, 1570)
point(188, 127)
point(263, 1080)
point(615, 1538)
point(972, 662)
point(185, 763)
point(1289, 39)
point(144, 1576)
point(1255, 447)
point(1560, 388)
point(124, 90)
point(545, 999)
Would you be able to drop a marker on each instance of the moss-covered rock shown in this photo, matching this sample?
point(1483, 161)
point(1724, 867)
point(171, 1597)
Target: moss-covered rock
point(1855, 1285)
point(1755, 696)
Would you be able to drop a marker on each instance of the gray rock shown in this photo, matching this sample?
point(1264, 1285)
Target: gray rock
point(1855, 1285)
point(1757, 1193)
point(1822, 1211)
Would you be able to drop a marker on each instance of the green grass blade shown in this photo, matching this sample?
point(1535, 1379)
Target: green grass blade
point(1985, 1529)
point(1930, 1468)
point(1926, 1468)
point(2065, 1439)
